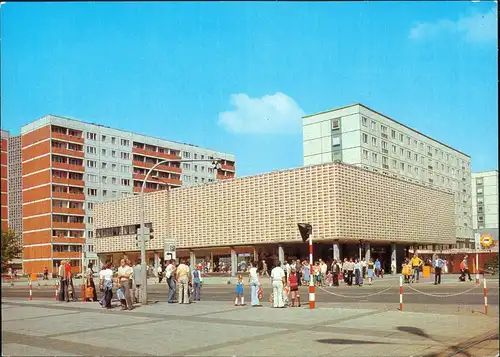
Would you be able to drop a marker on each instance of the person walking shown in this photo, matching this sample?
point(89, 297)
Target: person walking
point(416, 264)
point(464, 268)
point(182, 275)
point(196, 279)
point(125, 273)
point(253, 280)
point(438, 266)
point(378, 268)
point(137, 280)
point(357, 272)
point(170, 275)
point(277, 276)
point(265, 270)
point(63, 287)
point(106, 285)
point(371, 267)
point(160, 273)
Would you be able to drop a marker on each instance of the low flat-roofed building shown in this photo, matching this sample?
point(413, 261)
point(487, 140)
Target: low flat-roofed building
point(353, 212)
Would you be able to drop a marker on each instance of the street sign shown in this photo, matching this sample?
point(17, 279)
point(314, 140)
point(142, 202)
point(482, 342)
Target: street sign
point(477, 241)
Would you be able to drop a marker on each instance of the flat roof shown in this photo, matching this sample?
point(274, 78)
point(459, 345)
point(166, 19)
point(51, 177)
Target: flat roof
point(385, 116)
point(127, 131)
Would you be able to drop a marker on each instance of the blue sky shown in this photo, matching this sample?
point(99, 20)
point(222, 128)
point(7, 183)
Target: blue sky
point(236, 77)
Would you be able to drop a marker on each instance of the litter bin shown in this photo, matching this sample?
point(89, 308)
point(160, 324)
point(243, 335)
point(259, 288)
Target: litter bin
point(426, 272)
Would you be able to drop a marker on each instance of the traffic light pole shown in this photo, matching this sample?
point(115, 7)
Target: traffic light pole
point(144, 278)
point(312, 294)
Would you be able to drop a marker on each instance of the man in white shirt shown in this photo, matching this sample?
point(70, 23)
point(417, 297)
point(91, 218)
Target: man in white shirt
point(277, 277)
point(125, 273)
point(323, 268)
point(253, 280)
point(170, 276)
point(182, 275)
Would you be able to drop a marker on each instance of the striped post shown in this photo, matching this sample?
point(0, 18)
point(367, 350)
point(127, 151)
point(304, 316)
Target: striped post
point(57, 291)
point(400, 293)
point(477, 268)
point(31, 292)
point(312, 295)
point(485, 297)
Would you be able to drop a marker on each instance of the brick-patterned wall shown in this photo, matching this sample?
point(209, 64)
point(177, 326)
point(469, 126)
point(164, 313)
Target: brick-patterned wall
point(340, 201)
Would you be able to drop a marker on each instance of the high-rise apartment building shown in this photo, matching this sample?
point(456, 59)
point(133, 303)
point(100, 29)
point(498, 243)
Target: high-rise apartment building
point(69, 165)
point(485, 202)
point(360, 136)
point(4, 178)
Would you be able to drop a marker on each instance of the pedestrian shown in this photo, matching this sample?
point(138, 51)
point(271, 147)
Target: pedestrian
point(170, 275)
point(278, 276)
point(357, 272)
point(363, 269)
point(182, 275)
point(63, 287)
point(160, 273)
point(288, 270)
point(438, 266)
point(316, 276)
point(293, 283)
point(416, 264)
point(406, 271)
point(253, 280)
point(298, 271)
point(45, 273)
point(196, 278)
point(124, 279)
point(239, 292)
point(137, 280)
point(265, 271)
point(323, 268)
point(464, 269)
point(345, 267)
point(377, 268)
point(106, 285)
point(335, 273)
point(90, 291)
point(307, 273)
point(370, 268)
point(350, 271)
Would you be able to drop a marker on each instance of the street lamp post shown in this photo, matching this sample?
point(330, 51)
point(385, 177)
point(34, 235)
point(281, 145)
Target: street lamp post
point(144, 278)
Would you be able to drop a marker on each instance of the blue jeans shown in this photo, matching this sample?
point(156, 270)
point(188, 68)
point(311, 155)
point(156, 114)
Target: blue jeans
point(171, 293)
point(255, 288)
point(416, 273)
point(196, 289)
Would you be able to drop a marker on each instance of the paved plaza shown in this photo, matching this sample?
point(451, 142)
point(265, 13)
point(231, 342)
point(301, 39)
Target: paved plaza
point(210, 328)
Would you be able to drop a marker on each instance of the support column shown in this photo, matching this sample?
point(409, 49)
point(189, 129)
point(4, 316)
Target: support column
point(157, 263)
point(360, 252)
point(234, 263)
point(434, 252)
point(211, 262)
point(281, 254)
point(192, 259)
point(367, 252)
point(255, 255)
point(394, 263)
point(336, 250)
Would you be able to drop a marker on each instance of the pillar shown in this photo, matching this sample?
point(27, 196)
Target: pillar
point(336, 251)
point(255, 255)
point(211, 262)
point(281, 254)
point(394, 264)
point(434, 252)
point(367, 252)
point(360, 252)
point(192, 259)
point(234, 263)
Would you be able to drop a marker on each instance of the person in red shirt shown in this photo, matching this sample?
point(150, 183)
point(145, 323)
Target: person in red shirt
point(294, 287)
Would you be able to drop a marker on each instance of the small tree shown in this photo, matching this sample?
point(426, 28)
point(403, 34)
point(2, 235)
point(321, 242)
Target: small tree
point(10, 248)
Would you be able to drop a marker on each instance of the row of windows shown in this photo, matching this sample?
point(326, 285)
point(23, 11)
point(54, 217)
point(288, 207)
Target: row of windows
point(105, 193)
point(105, 165)
point(409, 155)
point(405, 139)
point(187, 166)
point(92, 150)
point(122, 230)
point(186, 178)
point(104, 138)
point(104, 180)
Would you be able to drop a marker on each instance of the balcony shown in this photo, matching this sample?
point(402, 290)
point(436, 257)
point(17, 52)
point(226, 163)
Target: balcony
point(155, 154)
point(64, 166)
point(68, 225)
point(69, 196)
point(68, 240)
point(67, 255)
point(164, 168)
point(146, 190)
point(66, 152)
point(168, 181)
point(69, 182)
point(64, 210)
point(227, 167)
point(222, 177)
point(65, 137)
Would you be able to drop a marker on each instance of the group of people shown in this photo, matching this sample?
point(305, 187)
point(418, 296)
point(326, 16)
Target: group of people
point(66, 287)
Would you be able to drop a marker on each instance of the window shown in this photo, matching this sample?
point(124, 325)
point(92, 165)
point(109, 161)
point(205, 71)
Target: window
point(113, 140)
point(104, 193)
point(203, 169)
point(91, 136)
point(104, 165)
point(365, 138)
point(91, 164)
point(408, 154)
point(383, 129)
point(393, 134)
point(186, 178)
point(335, 124)
point(415, 157)
point(91, 150)
point(408, 141)
point(409, 169)
point(90, 220)
point(401, 152)
point(385, 160)
point(125, 142)
point(210, 170)
point(364, 121)
point(186, 155)
point(394, 164)
point(374, 125)
point(90, 205)
point(113, 180)
point(479, 191)
point(92, 178)
point(195, 168)
point(336, 141)
point(104, 179)
point(114, 167)
point(113, 153)
point(415, 143)
point(365, 154)
point(374, 157)
point(402, 166)
point(125, 182)
point(422, 146)
point(90, 234)
point(202, 157)
point(125, 155)
point(479, 181)
point(92, 191)
point(394, 149)
point(384, 145)
point(103, 138)
point(186, 166)
point(114, 194)
point(104, 152)
point(374, 141)
point(401, 137)
point(125, 169)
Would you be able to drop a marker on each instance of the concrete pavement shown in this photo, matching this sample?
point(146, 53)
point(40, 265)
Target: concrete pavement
point(219, 329)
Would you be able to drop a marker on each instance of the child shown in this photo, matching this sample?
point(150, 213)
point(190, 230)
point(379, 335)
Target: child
point(239, 291)
point(406, 271)
point(286, 291)
point(329, 279)
point(294, 287)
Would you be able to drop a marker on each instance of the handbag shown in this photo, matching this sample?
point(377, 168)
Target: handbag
point(120, 294)
point(89, 292)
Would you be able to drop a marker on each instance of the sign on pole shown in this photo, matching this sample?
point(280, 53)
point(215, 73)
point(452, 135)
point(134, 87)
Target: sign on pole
point(477, 241)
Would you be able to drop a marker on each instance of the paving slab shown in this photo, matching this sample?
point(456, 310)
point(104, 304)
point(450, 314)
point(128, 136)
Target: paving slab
point(28, 312)
point(166, 338)
point(15, 349)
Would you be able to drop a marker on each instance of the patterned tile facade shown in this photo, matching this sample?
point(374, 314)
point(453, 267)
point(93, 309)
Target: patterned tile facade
point(340, 201)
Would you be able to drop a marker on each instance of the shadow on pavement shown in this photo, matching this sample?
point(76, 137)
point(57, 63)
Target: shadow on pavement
point(339, 341)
